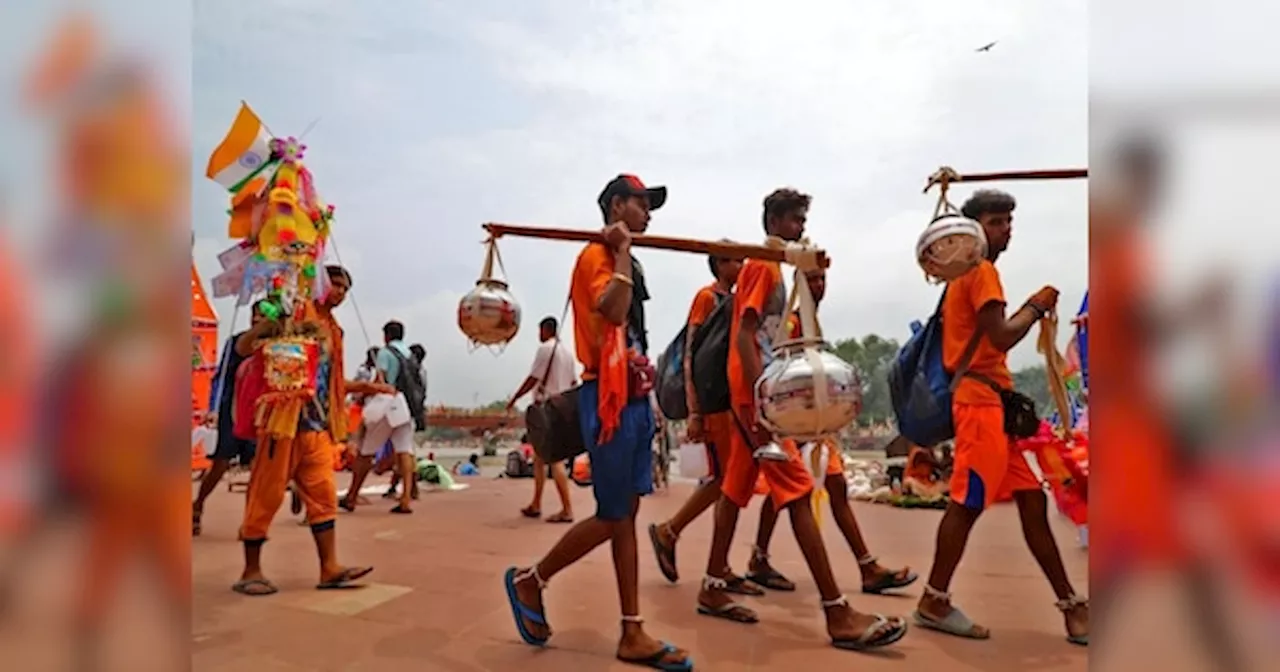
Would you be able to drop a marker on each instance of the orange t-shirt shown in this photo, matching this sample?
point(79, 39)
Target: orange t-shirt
point(795, 327)
point(703, 303)
point(762, 291)
point(965, 296)
point(591, 275)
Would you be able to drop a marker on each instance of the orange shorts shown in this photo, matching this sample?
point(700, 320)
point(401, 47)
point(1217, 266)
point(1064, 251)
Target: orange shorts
point(834, 467)
point(1145, 531)
point(787, 481)
point(718, 432)
point(987, 468)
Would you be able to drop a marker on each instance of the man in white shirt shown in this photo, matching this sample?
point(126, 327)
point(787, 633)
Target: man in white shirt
point(553, 372)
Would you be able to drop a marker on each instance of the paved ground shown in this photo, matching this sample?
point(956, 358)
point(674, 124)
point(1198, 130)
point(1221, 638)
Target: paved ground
point(435, 601)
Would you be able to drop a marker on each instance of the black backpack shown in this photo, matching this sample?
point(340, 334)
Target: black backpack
point(710, 350)
point(670, 388)
point(410, 383)
point(517, 466)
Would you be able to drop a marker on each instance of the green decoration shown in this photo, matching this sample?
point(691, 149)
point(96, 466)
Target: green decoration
point(269, 310)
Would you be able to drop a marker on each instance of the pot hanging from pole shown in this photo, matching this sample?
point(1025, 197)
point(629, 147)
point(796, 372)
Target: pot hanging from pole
point(489, 314)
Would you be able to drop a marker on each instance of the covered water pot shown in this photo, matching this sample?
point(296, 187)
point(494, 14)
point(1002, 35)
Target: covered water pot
point(489, 314)
point(950, 246)
point(788, 393)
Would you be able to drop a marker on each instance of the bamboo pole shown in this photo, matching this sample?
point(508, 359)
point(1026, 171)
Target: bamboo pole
point(953, 177)
point(717, 249)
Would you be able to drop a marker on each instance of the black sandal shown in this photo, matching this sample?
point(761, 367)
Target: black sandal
point(738, 585)
point(771, 579)
point(665, 554)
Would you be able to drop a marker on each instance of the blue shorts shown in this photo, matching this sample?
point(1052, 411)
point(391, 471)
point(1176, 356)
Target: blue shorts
point(623, 468)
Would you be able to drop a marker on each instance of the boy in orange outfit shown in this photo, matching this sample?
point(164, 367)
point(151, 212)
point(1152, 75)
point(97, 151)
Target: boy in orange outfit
point(985, 463)
point(715, 430)
point(875, 578)
point(615, 416)
point(759, 303)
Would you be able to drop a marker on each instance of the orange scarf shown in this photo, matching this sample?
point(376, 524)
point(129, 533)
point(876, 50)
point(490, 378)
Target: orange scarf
point(612, 380)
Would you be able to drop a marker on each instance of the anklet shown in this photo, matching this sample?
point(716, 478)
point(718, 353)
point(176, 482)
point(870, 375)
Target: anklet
point(868, 561)
point(758, 553)
point(532, 572)
point(936, 594)
point(674, 537)
point(714, 583)
point(1071, 603)
point(838, 602)
point(633, 619)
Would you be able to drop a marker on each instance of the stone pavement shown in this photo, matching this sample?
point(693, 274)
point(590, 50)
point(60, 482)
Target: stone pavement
point(436, 602)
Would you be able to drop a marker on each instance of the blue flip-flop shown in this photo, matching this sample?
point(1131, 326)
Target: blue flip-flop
point(522, 612)
point(655, 661)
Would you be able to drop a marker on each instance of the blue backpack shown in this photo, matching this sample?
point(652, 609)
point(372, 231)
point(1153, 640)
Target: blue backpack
point(920, 386)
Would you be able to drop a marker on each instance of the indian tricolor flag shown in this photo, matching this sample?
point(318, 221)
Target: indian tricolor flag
point(243, 153)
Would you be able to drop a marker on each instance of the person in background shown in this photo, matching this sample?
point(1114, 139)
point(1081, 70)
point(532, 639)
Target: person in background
point(469, 468)
point(420, 358)
point(221, 401)
point(369, 369)
point(391, 362)
point(552, 373)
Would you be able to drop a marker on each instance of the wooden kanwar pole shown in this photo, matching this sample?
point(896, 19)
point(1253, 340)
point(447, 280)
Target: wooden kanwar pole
point(720, 249)
point(953, 177)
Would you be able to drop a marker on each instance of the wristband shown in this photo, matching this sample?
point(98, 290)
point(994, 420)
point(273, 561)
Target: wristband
point(1040, 312)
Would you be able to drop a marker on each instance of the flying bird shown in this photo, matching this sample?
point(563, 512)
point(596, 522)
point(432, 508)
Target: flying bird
point(986, 47)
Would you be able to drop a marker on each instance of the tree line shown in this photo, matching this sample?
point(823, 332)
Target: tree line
point(873, 355)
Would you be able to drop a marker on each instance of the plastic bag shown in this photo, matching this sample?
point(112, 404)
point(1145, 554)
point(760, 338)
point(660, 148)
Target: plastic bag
point(693, 461)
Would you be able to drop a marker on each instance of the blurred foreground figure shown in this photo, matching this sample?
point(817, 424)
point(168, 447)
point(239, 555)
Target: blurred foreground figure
point(114, 407)
point(17, 378)
point(1141, 532)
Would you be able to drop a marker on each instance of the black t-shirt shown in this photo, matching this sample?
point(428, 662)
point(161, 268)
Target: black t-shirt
point(639, 294)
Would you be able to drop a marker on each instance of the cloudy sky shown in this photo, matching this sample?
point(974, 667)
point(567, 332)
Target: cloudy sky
point(436, 116)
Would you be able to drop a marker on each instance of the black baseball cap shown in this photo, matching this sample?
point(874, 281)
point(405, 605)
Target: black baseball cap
point(630, 185)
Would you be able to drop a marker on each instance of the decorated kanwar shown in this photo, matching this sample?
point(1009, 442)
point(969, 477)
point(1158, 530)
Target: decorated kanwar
point(290, 389)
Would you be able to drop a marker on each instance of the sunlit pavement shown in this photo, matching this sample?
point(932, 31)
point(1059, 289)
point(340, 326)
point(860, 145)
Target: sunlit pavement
point(436, 602)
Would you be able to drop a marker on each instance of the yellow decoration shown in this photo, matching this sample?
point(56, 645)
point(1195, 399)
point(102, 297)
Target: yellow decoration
point(286, 222)
point(818, 467)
